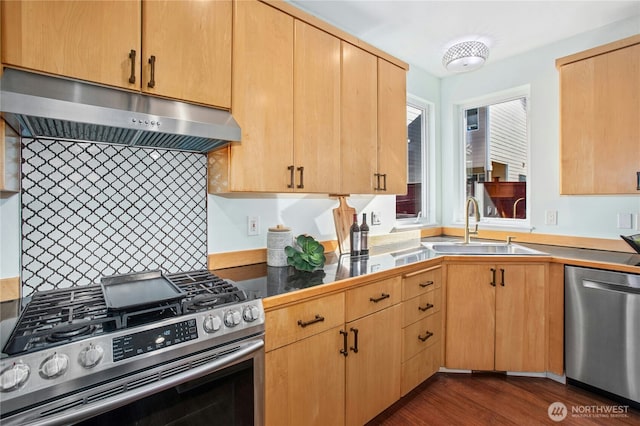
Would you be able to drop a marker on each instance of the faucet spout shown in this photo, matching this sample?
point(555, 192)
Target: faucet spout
point(476, 211)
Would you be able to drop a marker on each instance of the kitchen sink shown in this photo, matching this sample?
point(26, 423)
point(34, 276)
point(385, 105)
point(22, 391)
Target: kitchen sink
point(481, 248)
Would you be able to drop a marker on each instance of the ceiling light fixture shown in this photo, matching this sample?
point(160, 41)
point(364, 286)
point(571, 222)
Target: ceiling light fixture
point(465, 56)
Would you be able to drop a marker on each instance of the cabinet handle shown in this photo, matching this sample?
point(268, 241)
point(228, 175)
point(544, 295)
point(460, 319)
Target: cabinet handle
point(426, 336)
point(344, 350)
point(291, 169)
point(493, 277)
point(301, 170)
point(426, 284)
point(384, 181)
point(377, 299)
point(303, 324)
point(354, 348)
point(638, 181)
point(377, 187)
point(132, 56)
point(152, 81)
point(502, 273)
point(426, 308)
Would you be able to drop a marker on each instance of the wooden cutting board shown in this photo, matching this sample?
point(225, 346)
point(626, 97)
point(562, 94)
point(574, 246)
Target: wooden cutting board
point(343, 218)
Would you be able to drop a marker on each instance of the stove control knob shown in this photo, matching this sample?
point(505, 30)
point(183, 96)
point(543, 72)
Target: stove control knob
point(54, 366)
point(14, 377)
point(232, 318)
point(90, 356)
point(250, 313)
point(212, 323)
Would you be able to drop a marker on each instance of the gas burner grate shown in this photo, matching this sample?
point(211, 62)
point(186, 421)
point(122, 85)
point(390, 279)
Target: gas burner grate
point(205, 290)
point(60, 316)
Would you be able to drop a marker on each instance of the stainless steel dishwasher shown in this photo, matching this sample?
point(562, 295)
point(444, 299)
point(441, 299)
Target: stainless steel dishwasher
point(602, 331)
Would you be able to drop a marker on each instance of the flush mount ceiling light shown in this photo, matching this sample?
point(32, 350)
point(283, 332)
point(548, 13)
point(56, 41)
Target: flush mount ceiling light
point(465, 56)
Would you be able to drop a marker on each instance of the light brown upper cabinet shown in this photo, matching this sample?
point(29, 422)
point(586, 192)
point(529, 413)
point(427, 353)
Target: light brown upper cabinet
point(392, 128)
point(88, 40)
point(100, 41)
point(316, 113)
point(262, 100)
point(286, 99)
point(373, 126)
point(599, 120)
point(359, 120)
point(186, 49)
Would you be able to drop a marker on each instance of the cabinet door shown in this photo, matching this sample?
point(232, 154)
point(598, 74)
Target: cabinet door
point(304, 382)
point(262, 103)
point(600, 130)
point(358, 125)
point(317, 110)
point(392, 127)
point(373, 372)
point(520, 318)
point(191, 43)
point(87, 40)
point(470, 317)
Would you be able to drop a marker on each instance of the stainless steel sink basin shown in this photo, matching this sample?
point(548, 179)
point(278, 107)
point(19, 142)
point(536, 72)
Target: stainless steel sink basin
point(480, 248)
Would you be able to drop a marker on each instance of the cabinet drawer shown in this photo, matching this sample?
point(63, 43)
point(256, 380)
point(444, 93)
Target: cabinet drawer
point(373, 297)
point(420, 282)
point(421, 306)
point(421, 335)
point(290, 324)
point(420, 367)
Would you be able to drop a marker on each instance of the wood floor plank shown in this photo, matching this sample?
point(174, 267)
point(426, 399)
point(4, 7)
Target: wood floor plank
point(496, 399)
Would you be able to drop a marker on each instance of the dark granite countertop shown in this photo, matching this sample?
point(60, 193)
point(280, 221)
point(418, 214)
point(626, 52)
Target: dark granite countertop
point(265, 281)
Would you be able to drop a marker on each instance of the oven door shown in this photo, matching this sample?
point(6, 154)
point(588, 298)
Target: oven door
point(223, 386)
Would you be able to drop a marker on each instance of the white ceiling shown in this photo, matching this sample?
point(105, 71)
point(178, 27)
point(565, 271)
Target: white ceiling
point(420, 31)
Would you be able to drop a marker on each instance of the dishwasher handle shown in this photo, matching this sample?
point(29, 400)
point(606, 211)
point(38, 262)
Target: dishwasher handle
point(598, 285)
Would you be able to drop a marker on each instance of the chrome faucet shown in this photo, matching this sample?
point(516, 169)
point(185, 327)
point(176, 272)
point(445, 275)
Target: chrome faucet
point(476, 209)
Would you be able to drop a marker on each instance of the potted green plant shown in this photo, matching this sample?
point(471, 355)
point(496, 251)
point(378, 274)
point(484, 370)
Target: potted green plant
point(307, 255)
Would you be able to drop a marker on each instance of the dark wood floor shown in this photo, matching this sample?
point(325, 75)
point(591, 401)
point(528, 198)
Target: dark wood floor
point(492, 399)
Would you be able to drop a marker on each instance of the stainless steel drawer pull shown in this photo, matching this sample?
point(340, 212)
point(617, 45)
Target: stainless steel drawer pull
point(303, 324)
point(426, 284)
point(426, 336)
point(378, 299)
point(426, 308)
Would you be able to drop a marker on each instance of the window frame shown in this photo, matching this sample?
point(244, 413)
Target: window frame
point(485, 101)
point(427, 167)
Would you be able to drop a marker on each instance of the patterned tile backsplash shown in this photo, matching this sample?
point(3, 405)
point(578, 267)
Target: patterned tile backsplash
point(90, 210)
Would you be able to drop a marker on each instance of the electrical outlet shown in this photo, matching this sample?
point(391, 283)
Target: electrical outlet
point(625, 220)
point(253, 225)
point(375, 218)
point(551, 217)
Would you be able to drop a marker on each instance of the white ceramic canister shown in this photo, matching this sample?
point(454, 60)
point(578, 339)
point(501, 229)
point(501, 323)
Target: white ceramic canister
point(277, 239)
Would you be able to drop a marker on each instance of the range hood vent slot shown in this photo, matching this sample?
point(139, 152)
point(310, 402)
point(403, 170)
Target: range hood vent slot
point(48, 107)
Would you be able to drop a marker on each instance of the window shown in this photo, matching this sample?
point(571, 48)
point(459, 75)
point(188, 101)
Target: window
point(496, 157)
point(412, 207)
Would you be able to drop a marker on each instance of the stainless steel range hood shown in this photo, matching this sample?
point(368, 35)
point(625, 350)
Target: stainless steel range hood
point(57, 108)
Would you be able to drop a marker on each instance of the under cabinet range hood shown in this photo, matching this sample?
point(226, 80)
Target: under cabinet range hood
point(58, 108)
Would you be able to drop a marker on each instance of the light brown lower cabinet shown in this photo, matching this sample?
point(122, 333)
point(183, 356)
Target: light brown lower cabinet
point(317, 374)
point(496, 316)
point(422, 332)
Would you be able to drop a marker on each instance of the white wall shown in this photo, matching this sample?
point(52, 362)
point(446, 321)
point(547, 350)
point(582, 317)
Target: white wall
point(304, 214)
point(9, 235)
point(588, 216)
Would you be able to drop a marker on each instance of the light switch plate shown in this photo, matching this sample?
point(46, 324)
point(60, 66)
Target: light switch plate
point(253, 225)
point(551, 217)
point(625, 220)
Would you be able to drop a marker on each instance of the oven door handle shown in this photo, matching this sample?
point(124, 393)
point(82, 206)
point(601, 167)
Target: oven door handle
point(102, 406)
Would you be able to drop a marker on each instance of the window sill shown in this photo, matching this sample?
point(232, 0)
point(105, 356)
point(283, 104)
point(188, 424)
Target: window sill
point(518, 226)
point(402, 227)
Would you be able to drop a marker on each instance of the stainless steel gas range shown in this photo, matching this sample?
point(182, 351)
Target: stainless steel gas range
point(140, 348)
